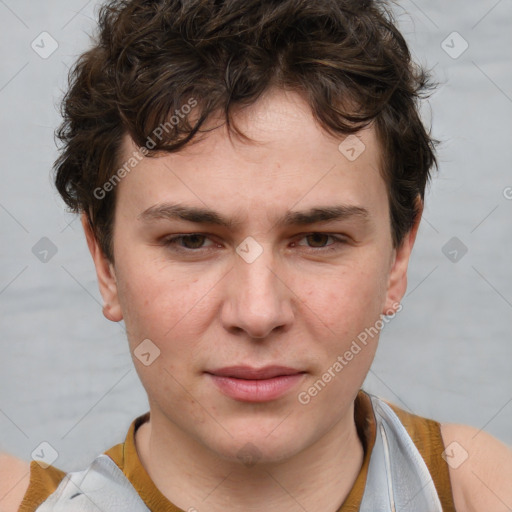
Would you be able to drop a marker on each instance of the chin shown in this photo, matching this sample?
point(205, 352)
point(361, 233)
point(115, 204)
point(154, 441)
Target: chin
point(251, 448)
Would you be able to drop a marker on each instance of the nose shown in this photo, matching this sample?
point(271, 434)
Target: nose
point(258, 300)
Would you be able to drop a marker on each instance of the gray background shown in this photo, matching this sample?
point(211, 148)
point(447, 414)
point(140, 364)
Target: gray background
point(66, 376)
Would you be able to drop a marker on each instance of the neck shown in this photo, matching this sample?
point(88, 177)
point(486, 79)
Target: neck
point(193, 478)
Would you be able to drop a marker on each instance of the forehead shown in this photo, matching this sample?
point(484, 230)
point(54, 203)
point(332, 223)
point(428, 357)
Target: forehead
point(290, 160)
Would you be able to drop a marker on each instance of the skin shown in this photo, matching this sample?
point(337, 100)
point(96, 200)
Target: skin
point(296, 305)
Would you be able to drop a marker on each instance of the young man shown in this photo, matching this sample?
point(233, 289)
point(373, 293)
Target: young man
point(251, 177)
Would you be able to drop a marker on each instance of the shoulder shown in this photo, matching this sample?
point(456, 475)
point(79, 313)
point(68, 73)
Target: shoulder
point(25, 485)
point(14, 480)
point(480, 469)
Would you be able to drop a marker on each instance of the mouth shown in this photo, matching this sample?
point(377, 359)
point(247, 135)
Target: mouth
point(247, 384)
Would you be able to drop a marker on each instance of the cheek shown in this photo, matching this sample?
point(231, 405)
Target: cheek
point(163, 304)
point(349, 298)
point(166, 309)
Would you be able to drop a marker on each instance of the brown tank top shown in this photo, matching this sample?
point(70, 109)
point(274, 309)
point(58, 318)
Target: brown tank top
point(425, 433)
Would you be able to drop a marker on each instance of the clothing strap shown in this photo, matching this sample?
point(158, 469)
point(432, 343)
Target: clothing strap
point(398, 479)
point(102, 487)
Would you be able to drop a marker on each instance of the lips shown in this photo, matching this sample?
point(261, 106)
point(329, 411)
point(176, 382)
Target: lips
point(249, 373)
point(247, 384)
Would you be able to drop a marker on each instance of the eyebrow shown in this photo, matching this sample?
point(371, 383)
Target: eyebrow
point(170, 211)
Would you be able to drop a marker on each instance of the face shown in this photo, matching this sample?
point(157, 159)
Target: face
point(249, 306)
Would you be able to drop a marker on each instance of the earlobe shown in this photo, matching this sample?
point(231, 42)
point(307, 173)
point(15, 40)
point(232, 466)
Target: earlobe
point(105, 273)
point(397, 283)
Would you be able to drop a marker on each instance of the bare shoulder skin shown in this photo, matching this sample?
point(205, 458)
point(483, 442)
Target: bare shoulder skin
point(480, 469)
point(14, 480)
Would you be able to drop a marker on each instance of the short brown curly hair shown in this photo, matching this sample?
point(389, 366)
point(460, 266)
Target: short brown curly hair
point(345, 57)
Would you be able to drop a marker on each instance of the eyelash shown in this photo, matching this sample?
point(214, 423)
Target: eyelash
point(172, 241)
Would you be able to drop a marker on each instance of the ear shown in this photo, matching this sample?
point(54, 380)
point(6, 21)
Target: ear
point(105, 272)
point(397, 282)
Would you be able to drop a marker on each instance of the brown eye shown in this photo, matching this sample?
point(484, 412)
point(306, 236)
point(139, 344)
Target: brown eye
point(319, 242)
point(318, 238)
point(193, 242)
